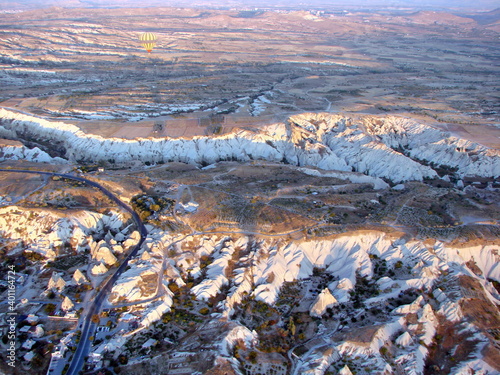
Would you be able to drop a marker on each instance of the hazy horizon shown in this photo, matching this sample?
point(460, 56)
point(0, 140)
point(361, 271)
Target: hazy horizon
point(325, 4)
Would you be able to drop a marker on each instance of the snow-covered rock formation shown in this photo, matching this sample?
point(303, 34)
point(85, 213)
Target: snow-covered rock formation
point(19, 152)
point(385, 147)
point(98, 269)
point(219, 269)
point(44, 231)
point(323, 301)
point(236, 334)
point(67, 304)
point(56, 282)
point(79, 278)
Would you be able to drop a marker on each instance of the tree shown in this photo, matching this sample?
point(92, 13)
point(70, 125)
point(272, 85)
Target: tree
point(204, 311)
point(252, 356)
point(291, 326)
point(50, 308)
point(174, 288)
point(123, 359)
point(37, 361)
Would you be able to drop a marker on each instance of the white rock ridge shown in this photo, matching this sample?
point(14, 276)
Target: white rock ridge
point(377, 146)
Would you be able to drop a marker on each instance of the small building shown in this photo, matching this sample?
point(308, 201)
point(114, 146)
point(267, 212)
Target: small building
point(150, 343)
point(32, 319)
point(59, 350)
point(190, 207)
point(33, 331)
point(29, 356)
point(95, 357)
point(71, 315)
point(128, 317)
point(37, 331)
point(28, 344)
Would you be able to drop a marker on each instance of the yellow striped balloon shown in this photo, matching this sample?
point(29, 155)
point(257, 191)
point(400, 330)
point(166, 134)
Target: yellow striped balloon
point(148, 41)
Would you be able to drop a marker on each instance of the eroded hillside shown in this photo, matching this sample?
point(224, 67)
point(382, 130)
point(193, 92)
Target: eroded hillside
point(394, 148)
point(265, 266)
point(266, 192)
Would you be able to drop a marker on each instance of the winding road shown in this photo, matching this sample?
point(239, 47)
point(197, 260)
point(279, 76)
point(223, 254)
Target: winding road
point(88, 328)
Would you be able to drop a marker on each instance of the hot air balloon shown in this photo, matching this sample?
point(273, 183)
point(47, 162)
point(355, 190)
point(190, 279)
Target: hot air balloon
point(148, 41)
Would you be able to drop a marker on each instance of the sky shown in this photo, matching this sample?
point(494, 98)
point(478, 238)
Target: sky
point(438, 4)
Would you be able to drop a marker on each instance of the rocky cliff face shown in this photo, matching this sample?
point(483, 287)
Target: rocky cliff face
point(394, 148)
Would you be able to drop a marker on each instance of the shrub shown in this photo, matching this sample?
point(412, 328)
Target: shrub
point(252, 356)
point(204, 311)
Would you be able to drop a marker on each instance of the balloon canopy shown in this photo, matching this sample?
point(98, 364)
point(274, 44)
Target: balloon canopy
point(148, 41)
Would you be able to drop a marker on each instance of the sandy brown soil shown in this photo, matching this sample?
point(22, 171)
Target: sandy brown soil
point(218, 69)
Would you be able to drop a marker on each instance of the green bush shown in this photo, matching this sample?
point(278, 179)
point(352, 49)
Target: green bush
point(204, 311)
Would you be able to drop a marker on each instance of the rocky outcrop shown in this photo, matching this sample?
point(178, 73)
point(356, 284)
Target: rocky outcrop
point(67, 304)
point(56, 283)
point(79, 278)
point(98, 269)
point(345, 371)
point(324, 300)
point(104, 254)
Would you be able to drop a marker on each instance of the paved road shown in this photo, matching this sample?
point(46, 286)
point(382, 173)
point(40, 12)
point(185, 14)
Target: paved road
point(88, 328)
